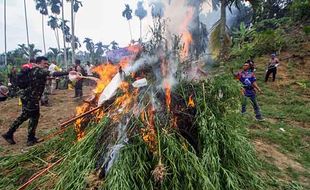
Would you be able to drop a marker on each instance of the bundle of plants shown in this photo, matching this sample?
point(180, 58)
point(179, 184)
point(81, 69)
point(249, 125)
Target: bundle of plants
point(16, 169)
point(225, 152)
point(156, 155)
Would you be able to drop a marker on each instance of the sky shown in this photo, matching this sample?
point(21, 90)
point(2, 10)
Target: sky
point(100, 20)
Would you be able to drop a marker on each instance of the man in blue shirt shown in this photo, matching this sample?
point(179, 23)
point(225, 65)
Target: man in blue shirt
point(248, 80)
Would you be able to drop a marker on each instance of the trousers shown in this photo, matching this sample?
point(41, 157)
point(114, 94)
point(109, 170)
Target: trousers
point(31, 111)
point(254, 103)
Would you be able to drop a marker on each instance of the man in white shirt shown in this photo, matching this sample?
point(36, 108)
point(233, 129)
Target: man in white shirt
point(88, 69)
point(51, 83)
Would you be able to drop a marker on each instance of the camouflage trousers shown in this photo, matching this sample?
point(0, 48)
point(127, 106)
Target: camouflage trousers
point(31, 111)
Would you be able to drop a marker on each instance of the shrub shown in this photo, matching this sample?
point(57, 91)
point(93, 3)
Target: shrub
point(269, 41)
point(300, 10)
point(307, 30)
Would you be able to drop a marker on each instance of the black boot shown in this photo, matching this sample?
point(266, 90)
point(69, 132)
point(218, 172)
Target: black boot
point(32, 141)
point(9, 137)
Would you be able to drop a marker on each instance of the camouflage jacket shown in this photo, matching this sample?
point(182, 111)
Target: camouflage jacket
point(36, 87)
point(37, 84)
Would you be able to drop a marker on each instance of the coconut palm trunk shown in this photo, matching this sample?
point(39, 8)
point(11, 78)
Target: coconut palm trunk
point(72, 31)
point(223, 27)
point(26, 21)
point(64, 36)
point(5, 42)
point(57, 38)
point(130, 30)
point(140, 30)
point(43, 34)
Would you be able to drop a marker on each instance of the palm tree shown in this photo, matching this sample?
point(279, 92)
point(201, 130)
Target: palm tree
point(41, 6)
point(222, 22)
point(141, 13)
point(55, 6)
point(127, 13)
point(157, 10)
point(77, 43)
point(53, 23)
point(5, 42)
point(90, 47)
point(26, 22)
point(53, 53)
point(75, 6)
point(114, 45)
point(53, 20)
point(29, 52)
point(63, 24)
point(100, 49)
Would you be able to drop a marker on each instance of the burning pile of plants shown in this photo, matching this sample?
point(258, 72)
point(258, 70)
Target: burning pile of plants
point(157, 122)
point(153, 128)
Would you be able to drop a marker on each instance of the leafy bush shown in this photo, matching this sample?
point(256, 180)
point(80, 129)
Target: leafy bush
point(273, 23)
point(307, 30)
point(299, 10)
point(269, 41)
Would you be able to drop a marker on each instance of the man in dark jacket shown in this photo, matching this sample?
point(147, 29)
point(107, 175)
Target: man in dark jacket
point(30, 97)
point(79, 84)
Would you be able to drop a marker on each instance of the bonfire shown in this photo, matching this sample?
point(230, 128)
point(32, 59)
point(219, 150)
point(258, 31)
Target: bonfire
point(167, 132)
point(149, 126)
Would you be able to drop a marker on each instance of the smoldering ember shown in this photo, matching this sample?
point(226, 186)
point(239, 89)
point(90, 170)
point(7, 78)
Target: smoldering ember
point(165, 111)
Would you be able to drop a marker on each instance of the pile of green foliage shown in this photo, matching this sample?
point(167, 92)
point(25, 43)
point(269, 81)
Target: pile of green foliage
point(223, 159)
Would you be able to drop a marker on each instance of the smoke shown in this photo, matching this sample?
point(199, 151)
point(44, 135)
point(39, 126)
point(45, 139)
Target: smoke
point(139, 64)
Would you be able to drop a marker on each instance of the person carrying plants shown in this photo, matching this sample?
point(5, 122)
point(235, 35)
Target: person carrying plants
point(272, 67)
point(249, 87)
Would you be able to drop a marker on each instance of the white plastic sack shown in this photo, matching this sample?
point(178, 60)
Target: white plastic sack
point(140, 83)
point(74, 76)
point(110, 89)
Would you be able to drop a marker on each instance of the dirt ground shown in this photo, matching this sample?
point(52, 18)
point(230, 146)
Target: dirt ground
point(62, 109)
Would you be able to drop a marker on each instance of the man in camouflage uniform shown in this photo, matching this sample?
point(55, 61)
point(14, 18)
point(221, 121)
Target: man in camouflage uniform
point(30, 98)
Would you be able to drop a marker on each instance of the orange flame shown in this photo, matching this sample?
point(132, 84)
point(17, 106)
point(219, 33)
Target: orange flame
point(78, 123)
point(106, 72)
point(191, 102)
point(149, 133)
point(186, 35)
point(166, 84)
point(167, 88)
point(187, 39)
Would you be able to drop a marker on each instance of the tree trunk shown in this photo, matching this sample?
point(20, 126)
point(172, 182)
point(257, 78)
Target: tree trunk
point(64, 36)
point(223, 28)
point(5, 42)
point(140, 30)
point(57, 38)
point(26, 21)
point(196, 30)
point(72, 31)
point(130, 30)
point(43, 34)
